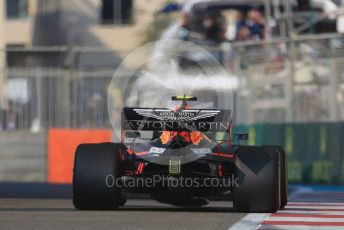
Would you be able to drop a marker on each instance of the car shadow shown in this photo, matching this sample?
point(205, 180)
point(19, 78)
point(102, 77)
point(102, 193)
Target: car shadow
point(175, 209)
point(126, 209)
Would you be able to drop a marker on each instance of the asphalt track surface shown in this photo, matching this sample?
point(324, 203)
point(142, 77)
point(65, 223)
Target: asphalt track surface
point(40, 206)
point(137, 214)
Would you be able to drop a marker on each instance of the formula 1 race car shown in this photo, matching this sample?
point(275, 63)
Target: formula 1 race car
point(189, 158)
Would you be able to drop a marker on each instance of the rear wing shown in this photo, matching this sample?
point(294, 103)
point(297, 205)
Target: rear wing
point(154, 119)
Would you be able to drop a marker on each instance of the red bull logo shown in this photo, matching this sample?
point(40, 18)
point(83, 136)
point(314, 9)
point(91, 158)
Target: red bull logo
point(194, 137)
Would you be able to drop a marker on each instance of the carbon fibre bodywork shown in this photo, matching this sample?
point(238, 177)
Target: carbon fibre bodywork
point(181, 147)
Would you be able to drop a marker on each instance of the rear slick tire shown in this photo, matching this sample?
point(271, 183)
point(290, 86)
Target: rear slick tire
point(258, 173)
point(93, 165)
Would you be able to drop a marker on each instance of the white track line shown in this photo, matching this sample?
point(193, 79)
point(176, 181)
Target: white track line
point(297, 219)
point(250, 221)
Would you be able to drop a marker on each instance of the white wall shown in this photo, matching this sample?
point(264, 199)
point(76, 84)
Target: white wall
point(23, 157)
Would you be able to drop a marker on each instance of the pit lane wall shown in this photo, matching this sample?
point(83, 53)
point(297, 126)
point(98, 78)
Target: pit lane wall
point(315, 151)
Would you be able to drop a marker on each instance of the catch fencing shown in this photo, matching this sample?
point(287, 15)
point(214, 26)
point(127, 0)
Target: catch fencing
point(297, 80)
point(56, 87)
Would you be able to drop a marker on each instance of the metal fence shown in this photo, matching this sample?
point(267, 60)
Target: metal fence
point(56, 87)
point(44, 98)
point(299, 80)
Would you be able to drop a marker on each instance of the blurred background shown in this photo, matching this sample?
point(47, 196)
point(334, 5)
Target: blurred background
point(57, 58)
